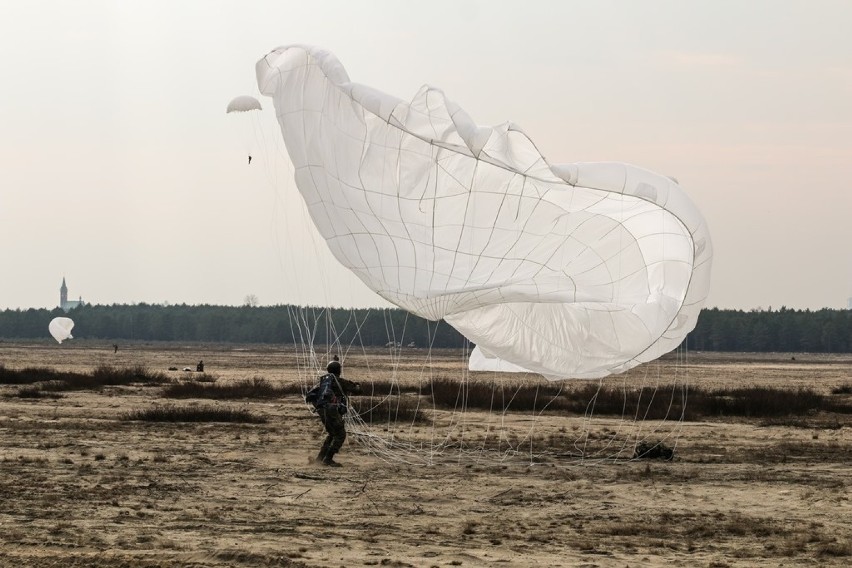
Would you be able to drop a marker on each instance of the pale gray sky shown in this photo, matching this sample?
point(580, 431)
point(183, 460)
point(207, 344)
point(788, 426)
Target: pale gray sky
point(120, 170)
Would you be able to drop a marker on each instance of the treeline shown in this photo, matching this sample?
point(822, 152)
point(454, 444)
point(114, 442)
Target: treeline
point(230, 324)
point(784, 330)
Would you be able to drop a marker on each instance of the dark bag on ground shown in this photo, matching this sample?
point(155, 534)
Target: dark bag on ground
point(654, 451)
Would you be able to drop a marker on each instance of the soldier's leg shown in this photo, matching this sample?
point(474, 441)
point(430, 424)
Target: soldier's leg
point(337, 430)
point(324, 414)
point(324, 449)
point(339, 434)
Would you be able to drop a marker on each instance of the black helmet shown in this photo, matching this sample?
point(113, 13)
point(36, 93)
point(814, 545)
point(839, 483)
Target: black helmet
point(334, 367)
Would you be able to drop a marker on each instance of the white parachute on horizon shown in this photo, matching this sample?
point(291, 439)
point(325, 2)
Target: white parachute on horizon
point(60, 329)
point(568, 270)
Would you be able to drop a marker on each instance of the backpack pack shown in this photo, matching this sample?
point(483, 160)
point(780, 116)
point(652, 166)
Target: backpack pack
point(322, 394)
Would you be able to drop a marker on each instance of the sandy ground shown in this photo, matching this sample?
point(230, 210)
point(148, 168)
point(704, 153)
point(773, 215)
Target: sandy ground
point(82, 486)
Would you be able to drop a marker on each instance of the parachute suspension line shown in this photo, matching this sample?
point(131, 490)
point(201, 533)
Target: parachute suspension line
point(307, 334)
point(532, 426)
point(553, 437)
point(279, 211)
point(436, 445)
point(455, 427)
point(465, 397)
point(621, 425)
point(496, 438)
point(657, 435)
point(513, 442)
point(389, 448)
point(432, 334)
point(395, 371)
point(587, 423)
point(307, 323)
point(678, 387)
point(297, 330)
point(681, 357)
point(299, 211)
point(502, 424)
point(480, 454)
point(537, 415)
point(464, 447)
point(453, 437)
point(685, 383)
point(394, 384)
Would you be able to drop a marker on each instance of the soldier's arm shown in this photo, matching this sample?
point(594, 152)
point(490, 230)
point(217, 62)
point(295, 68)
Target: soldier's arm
point(350, 387)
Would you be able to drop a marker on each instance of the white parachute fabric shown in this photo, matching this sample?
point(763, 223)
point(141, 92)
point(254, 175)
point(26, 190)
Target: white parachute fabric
point(569, 270)
point(60, 329)
point(243, 103)
point(481, 360)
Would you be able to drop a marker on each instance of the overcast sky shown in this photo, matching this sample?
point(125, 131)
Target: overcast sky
point(120, 170)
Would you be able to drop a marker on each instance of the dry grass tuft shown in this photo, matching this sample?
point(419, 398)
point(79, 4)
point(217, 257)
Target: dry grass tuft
point(835, 549)
point(32, 391)
point(256, 388)
point(52, 380)
point(663, 402)
point(171, 413)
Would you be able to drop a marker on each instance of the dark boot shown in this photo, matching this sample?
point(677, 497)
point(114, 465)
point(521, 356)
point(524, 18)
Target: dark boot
point(323, 451)
point(329, 461)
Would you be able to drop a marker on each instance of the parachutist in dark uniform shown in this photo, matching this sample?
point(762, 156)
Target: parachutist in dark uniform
point(200, 367)
point(329, 399)
point(249, 159)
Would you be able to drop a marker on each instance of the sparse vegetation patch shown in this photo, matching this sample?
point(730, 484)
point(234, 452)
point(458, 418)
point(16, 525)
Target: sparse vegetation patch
point(171, 413)
point(664, 402)
point(53, 380)
point(256, 388)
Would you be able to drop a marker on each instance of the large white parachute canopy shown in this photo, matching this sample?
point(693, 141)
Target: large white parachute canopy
point(60, 328)
point(569, 270)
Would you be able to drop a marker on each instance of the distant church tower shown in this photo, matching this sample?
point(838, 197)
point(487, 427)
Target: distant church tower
point(63, 298)
point(63, 294)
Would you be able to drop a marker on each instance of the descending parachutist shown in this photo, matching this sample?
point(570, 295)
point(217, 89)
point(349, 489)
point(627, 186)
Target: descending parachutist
point(241, 105)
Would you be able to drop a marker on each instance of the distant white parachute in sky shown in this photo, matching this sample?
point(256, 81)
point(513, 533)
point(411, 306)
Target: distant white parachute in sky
point(60, 329)
point(569, 270)
point(248, 125)
point(243, 103)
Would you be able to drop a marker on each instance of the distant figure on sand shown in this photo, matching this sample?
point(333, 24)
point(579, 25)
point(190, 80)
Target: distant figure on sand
point(115, 347)
point(200, 367)
point(329, 400)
